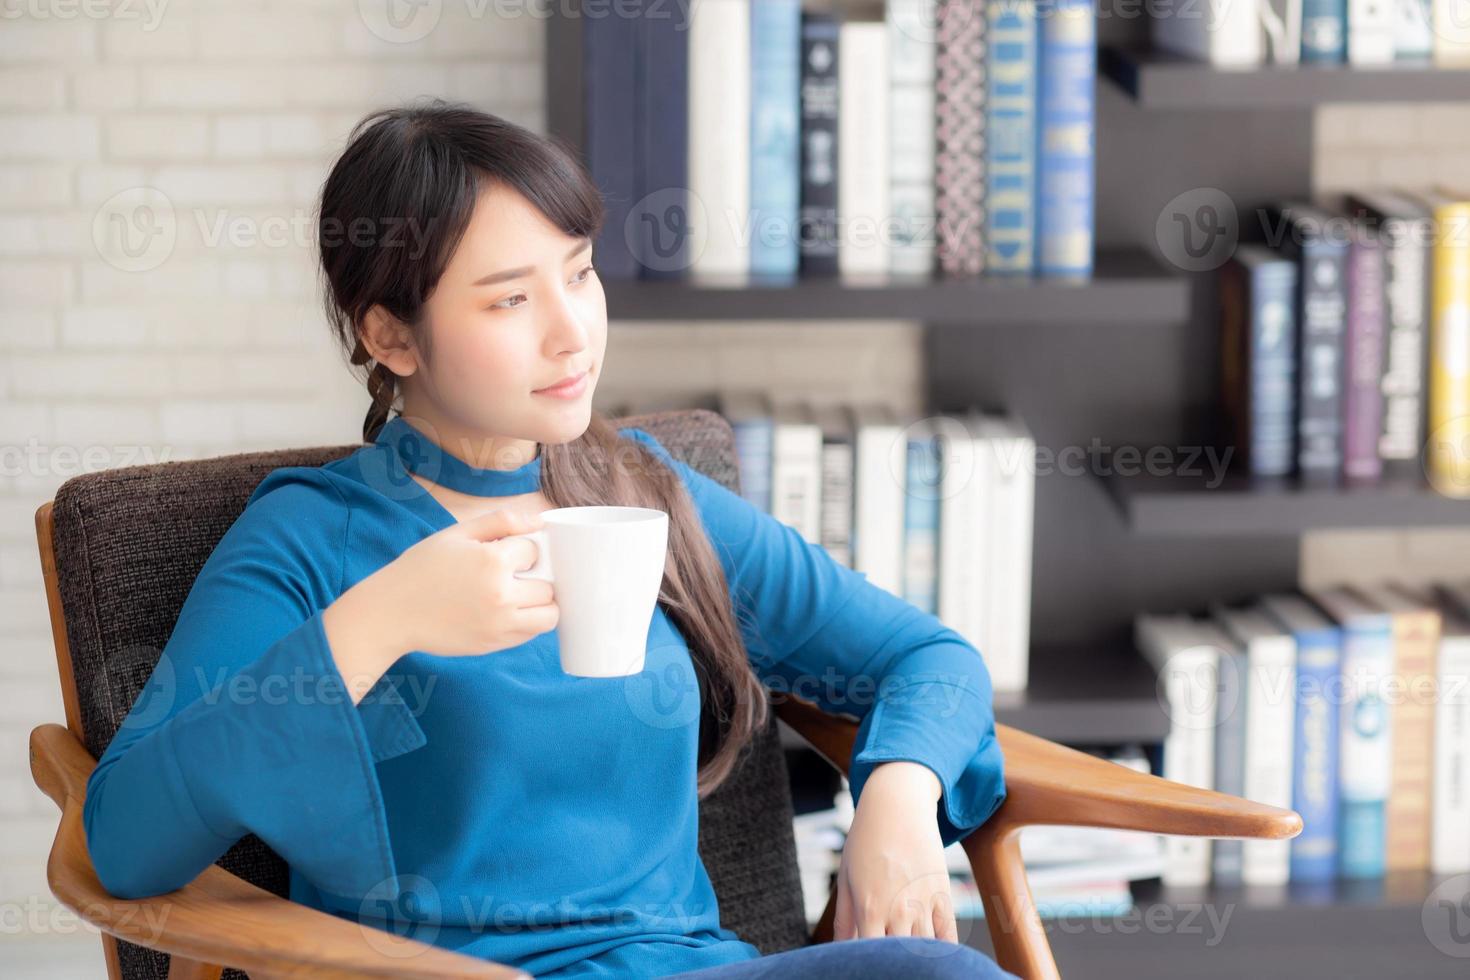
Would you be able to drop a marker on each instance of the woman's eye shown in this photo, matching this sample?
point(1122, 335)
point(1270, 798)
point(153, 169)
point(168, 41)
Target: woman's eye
point(582, 276)
point(506, 304)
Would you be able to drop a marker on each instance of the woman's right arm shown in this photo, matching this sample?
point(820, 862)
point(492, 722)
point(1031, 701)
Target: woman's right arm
point(246, 724)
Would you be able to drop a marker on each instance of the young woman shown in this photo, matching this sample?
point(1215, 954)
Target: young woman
point(358, 678)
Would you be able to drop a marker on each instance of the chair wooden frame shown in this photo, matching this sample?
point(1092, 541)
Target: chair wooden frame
point(219, 919)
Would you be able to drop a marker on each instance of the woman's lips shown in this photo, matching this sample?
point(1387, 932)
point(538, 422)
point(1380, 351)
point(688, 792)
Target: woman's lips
point(566, 389)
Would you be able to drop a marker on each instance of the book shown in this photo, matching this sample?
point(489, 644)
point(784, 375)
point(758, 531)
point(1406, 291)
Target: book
point(662, 236)
point(1303, 234)
point(1416, 626)
point(819, 100)
point(1227, 859)
point(796, 469)
point(1011, 466)
point(1371, 32)
point(837, 463)
point(610, 135)
point(1270, 721)
point(1010, 142)
point(1188, 669)
point(749, 415)
point(878, 493)
point(1447, 461)
point(862, 147)
point(1413, 30)
point(775, 152)
point(1315, 737)
point(911, 135)
point(922, 485)
point(1365, 755)
point(719, 153)
point(1220, 32)
point(1066, 81)
point(1364, 345)
point(1451, 23)
point(1405, 228)
point(1449, 845)
point(959, 136)
point(964, 589)
point(1258, 365)
point(1324, 31)
point(1281, 21)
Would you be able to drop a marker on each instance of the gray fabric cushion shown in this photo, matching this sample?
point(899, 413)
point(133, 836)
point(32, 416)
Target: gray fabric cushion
point(130, 541)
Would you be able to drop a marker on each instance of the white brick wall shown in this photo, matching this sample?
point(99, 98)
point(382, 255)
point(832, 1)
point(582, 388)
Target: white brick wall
point(235, 117)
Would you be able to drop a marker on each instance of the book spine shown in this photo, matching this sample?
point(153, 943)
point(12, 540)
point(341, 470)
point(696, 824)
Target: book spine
point(1449, 851)
point(819, 95)
point(1324, 31)
point(753, 447)
point(837, 500)
point(960, 510)
point(662, 236)
point(1364, 345)
point(1406, 297)
point(796, 479)
point(911, 135)
point(1067, 79)
point(775, 107)
point(1230, 758)
point(1365, 763)
point(959, 136)
point(1010, 145)
point(878, 538)
point(1314, 783)
point(1415, 639)
point(610, 92)
point(1269, 727)
point(921, 524)
point(1272, 368)
point(1322, 314)
point(719, 153)
point(1413, 30)
point(1189, 755)
point(1371, 30)
point(1451, 34)
point(1449, 353)
point(862, 147)
point(1013, 493)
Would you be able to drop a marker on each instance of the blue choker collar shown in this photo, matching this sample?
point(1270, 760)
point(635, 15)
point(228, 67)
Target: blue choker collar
point(421, 455)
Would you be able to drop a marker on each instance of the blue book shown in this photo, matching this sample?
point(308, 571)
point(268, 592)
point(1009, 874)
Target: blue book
point(1010, 140)
point(1231, 692)
point(664, 234)
point(1324, 31)
point(921, 521)
point(1316, 737)
point(1365, 752)
point(775, 153)
point(1066, 80)
point(1258, 358)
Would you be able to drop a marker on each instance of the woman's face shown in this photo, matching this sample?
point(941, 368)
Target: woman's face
point(518, 309)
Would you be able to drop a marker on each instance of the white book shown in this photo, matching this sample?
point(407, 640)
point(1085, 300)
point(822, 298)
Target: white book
point(1281, 20)
point(1413, 31)
point(1449, 823)
point(1451, 20)
point(719, 153)
point(862, 147)
point(1372, 30)
point(879, 479)
point(796, 469)
point(1221, 32)
point(1188, 672)
point(837, 462)
point(1270, 724)
point(911, 134)
point(1011, 466)
point(963, 540)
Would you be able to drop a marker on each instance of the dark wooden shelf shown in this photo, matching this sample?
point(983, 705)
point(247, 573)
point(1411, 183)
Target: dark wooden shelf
point(1163, 80)
point(1080, 695)
point(1180, 506)
point(1387, 927)
point(1127, 285)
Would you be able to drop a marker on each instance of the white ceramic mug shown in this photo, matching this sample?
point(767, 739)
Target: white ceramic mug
point(605, 565)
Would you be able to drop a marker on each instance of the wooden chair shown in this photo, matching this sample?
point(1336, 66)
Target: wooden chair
point(120, 549)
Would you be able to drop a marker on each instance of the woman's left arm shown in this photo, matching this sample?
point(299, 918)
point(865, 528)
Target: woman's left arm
point(926, 740)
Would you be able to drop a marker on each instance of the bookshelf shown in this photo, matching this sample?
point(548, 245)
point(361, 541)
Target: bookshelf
point(1162, 80)
point(1195, 507)
point(1129, 285)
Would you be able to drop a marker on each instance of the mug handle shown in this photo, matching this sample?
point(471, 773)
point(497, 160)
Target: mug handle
point(541, 569)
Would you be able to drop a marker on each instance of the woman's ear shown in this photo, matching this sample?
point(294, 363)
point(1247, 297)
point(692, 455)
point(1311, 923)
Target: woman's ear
point(389, 341)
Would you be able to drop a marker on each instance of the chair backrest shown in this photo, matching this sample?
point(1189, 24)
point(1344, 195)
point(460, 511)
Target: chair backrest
point(129, 543)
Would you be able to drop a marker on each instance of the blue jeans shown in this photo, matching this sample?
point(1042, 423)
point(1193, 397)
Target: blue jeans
point(872, 958)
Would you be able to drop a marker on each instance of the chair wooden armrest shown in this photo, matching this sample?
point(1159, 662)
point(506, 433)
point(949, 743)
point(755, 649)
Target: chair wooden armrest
point(220, 919)
point(1048, 783)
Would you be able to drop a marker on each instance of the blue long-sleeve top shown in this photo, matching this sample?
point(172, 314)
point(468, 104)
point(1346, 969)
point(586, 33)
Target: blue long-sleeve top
point(492, 804)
